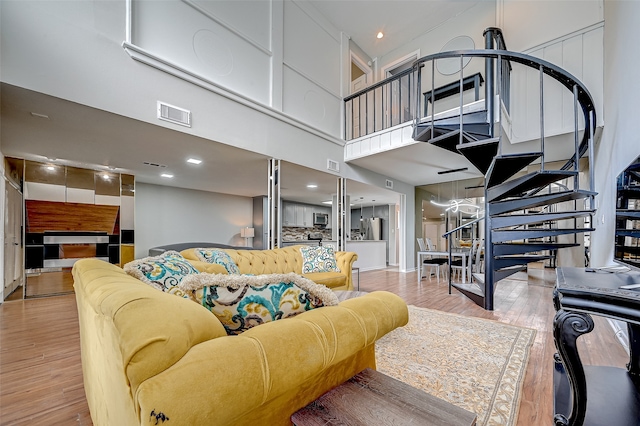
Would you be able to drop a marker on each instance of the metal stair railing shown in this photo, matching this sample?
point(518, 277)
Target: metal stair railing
point(582, 97)
point(503, 58)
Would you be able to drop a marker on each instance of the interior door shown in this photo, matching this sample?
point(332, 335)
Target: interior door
point(357, 85)
point(13, 257)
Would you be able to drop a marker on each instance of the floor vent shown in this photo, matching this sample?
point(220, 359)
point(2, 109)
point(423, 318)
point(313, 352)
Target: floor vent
point(174, 114)
point(333, 165)
point(388, 184)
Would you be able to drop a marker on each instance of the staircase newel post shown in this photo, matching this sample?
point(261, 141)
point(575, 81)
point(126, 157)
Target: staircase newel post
point(542, 117)
point(576, 184)
point(489, 68)
point(592, 183)
point(450, 268)
point(488, 256)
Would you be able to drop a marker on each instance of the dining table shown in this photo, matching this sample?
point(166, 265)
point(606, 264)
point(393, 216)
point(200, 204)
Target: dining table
point(462, 252)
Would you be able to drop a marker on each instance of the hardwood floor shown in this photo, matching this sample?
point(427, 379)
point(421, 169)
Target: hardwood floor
point(40, 371)
point(41, 375)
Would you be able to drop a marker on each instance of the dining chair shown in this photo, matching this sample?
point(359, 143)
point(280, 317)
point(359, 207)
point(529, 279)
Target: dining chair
point(476, 263)
point(430, 261)
point(473, 263)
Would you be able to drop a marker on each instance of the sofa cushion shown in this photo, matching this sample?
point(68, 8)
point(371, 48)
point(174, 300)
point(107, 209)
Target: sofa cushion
point(163, 272)
point(243, 301)
point(329, 279)
point(219, 257)
point(318, 259)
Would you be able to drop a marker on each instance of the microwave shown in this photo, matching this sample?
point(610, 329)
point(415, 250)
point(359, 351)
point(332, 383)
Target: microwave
point(320, 219)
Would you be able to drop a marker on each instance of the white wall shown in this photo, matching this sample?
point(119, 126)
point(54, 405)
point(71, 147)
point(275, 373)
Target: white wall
point(527, 24)
point(472, 23)
point(167, 215)
point(73, 50)
point(276, 53)
point(620, 142)
point(2, 213)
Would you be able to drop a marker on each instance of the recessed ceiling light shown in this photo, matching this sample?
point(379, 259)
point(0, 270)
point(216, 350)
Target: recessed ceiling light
point(380, 35)
point(166, 175)
point(194, 161)
point(312, 185)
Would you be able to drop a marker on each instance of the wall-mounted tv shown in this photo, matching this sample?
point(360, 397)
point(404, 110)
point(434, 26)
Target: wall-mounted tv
point(627, 239)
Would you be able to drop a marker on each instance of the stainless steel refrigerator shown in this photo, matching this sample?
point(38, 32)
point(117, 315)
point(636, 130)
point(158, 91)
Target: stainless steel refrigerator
point(372, 228)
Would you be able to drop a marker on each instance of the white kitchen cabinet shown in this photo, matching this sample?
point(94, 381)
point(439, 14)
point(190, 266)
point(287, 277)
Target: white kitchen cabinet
point(300, 215)
point(289, 214)
point(307, 216)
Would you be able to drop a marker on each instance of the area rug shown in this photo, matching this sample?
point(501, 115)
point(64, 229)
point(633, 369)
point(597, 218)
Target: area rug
point(476, 364)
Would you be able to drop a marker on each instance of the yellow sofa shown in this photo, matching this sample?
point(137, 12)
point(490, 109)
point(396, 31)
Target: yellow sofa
point(281, 261)
point(149, 355)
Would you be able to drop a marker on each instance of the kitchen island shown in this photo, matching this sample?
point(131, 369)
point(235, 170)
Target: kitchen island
point(372, 254)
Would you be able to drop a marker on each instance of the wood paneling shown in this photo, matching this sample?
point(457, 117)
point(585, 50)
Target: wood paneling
point(127, 253)
point(53, 216)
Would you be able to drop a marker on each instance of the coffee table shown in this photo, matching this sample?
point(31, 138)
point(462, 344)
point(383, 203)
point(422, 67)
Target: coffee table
point(372, 398)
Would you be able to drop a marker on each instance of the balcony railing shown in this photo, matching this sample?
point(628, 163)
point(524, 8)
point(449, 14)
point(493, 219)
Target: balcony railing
point(395, 100)
point(380, 106)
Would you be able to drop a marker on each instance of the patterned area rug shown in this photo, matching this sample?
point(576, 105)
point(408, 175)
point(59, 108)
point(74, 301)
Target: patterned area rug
point(473, 363)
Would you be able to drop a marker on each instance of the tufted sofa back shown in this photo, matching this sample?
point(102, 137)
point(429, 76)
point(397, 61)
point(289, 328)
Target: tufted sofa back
point(258, 262)
point(281, 261)
point(276, 261)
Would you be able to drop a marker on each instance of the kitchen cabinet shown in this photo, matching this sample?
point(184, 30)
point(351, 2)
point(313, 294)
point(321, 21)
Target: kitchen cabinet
point(300, 215)
point(289, 214)
point(305, 216)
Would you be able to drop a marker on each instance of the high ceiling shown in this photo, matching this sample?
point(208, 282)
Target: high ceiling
point(399, 20)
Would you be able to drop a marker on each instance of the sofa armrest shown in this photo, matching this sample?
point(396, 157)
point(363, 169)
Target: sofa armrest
point(225, 378)
point(345, 260)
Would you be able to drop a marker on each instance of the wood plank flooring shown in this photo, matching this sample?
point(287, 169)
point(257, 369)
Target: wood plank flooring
point(41, 374)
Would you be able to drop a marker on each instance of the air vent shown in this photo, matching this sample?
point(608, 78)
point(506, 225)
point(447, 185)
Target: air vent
point(147, 163)
point(388, 184)
point(174, 114)
point(333, 165)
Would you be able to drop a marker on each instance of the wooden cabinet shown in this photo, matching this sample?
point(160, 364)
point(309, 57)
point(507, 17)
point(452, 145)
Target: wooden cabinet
point(590, 394)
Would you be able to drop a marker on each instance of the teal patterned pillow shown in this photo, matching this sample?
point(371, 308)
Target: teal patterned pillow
point(163, 272)
point(219, 257)
point(318, 259)
point(244, 301)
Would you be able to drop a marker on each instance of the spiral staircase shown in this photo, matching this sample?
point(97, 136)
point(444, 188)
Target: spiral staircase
point(522, 221)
